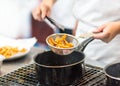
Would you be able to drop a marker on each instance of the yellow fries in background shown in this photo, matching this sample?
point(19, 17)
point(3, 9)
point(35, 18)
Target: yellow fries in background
point(60, 42)
point(9, 51)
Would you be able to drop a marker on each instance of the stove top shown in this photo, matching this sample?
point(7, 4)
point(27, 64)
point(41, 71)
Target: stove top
point(26, 76)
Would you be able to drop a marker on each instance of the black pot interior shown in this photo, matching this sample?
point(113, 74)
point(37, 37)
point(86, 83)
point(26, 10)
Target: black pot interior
point(113, 70)
point(51, 59)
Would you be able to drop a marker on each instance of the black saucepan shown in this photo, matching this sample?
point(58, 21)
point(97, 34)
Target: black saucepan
point(60, 70)
point(112, 72)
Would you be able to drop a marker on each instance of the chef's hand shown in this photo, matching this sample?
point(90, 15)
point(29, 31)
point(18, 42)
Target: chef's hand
point(107, 31)
point(43, 9)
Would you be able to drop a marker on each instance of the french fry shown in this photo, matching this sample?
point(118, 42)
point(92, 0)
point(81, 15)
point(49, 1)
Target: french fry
point(9, 51)
point(60, 42)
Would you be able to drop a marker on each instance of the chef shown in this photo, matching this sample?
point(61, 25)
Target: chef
point(91, 14)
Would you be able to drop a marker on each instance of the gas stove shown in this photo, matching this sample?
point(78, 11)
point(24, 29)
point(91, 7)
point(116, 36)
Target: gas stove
point(26, 76)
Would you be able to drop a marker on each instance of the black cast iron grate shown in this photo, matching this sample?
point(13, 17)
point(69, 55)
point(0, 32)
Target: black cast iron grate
point(25, 76)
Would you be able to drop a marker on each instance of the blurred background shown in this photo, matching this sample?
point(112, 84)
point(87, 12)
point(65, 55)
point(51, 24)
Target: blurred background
point(15, 17)
point(16, 20)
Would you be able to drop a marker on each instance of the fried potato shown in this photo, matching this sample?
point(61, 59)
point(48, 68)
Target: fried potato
point(60, 42)
point(9, 51)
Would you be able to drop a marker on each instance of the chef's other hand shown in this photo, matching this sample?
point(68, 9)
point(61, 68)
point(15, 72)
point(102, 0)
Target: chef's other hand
point(43, 9)
point(107, 31)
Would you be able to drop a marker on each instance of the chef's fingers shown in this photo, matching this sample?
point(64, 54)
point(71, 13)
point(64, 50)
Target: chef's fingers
point(103, 36)
point(37, 14)
point(45, 11)
point(99, 29)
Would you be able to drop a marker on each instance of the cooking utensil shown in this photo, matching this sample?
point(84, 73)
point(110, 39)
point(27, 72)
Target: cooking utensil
point(112, 72)
point(55, 23)
point(86, 35)
point(70, 38)
point(59, 70)
point(61, 67)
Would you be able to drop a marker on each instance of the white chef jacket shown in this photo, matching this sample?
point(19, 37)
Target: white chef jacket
point(62, 13)
point(98, 12)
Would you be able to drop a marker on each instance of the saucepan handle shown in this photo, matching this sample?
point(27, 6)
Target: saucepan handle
point(83, 45)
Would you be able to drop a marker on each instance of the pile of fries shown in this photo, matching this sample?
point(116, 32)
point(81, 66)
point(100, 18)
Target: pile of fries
point(9, 51)
point(60, 42)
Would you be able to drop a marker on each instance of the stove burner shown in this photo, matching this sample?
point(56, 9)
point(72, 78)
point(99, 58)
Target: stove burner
point(26, 76)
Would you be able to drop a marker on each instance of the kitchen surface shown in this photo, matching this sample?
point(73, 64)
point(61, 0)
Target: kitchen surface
point(21, 70)
point(11, 65)
point(26, 76)
point(32, 65)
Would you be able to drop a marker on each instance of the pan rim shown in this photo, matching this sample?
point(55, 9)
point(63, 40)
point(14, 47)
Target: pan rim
point(62, 66)
point(110, 76)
